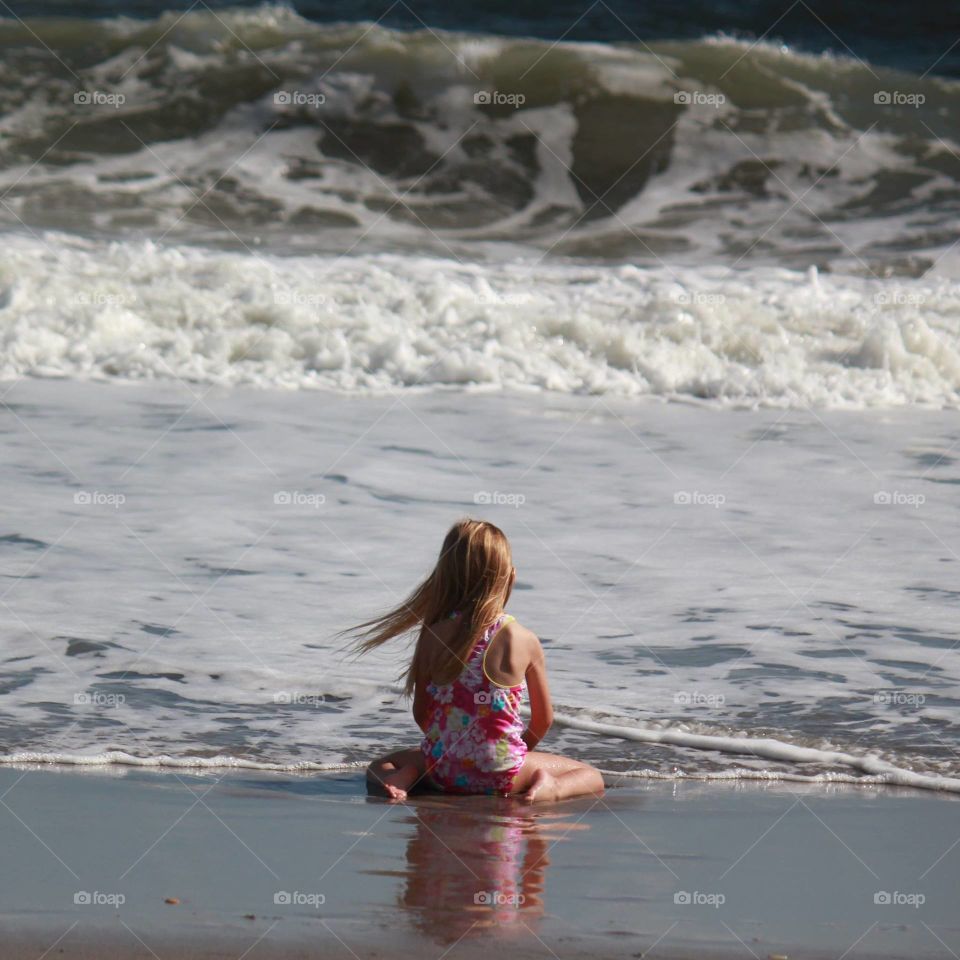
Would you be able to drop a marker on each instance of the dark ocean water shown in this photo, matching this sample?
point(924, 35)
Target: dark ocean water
point(918, 38)
point(604, 132)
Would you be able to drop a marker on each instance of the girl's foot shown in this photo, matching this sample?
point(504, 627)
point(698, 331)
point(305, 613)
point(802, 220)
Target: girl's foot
point(398, 781)
point(394, 792)
point(543, 787)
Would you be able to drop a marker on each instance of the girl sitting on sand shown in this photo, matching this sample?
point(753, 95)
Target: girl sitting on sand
point(472, 667)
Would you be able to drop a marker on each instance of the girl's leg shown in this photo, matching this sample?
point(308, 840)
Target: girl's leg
point(549, 776)
point(396, 773)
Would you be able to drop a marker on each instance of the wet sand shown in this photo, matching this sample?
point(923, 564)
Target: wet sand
point(269, 865)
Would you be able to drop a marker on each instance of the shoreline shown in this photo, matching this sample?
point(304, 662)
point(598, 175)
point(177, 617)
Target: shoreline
point(117, 763)
point(282, 866)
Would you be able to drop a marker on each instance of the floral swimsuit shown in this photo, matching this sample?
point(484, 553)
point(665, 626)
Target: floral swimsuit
point(474, 743)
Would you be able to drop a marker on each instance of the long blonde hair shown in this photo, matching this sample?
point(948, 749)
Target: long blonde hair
point(472, 578)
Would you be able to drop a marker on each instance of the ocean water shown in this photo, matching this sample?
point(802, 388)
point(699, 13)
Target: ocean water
point(284, 292)
point(178, 559)
point(256, 129)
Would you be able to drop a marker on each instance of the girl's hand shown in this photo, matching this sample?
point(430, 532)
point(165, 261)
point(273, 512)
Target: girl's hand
point(541, 707)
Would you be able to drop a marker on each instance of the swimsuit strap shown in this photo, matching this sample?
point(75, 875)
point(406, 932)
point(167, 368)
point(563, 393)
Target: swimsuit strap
point(484, 645)
point(480, 647)
point(495, 628)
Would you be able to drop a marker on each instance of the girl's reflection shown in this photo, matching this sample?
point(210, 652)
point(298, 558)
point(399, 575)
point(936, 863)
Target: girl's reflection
point(478, 864)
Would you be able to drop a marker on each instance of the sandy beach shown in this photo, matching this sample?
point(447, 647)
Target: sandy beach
point(270, 865)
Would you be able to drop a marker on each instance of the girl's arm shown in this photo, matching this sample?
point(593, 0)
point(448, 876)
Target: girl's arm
point(421, 711)
point(421, 707)
point(541, 708)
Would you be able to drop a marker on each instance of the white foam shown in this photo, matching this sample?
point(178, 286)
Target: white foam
point(120, 758)
point(878, 770)
point(740, 774)
point(765, 337)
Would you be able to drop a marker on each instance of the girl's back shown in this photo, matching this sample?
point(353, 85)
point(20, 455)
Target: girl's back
point(473, 731)
point(506, 660)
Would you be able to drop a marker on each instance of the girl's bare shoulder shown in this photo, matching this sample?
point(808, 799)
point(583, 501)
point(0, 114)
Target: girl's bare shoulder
point(512, 634)
point(521, 639)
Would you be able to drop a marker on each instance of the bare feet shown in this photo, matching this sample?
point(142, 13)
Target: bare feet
point(393, 791)
point(398, 781)
point(543, 787)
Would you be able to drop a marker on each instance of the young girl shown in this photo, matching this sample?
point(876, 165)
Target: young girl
point(472, 667)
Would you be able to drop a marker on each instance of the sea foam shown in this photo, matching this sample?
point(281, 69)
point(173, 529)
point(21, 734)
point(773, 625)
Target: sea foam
point(369, 324)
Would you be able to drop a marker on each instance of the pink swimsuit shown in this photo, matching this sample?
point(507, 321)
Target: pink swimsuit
point(474, 742)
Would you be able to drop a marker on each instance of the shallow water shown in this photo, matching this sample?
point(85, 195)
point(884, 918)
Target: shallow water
point(176, 559)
